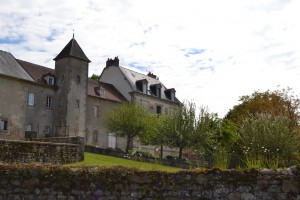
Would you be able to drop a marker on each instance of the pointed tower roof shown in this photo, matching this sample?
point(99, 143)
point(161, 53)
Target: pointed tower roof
point(72, 49)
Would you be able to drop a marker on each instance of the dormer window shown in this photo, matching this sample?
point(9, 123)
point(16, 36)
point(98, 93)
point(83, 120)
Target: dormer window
point(170, 94)
point(142, 85)
point(100, 91)
point(49, 79)
point(156, 90)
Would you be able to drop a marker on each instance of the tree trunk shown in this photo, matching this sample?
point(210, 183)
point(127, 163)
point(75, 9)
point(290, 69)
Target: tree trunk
point(161, 152)
point(128, 144)
point(180, 153)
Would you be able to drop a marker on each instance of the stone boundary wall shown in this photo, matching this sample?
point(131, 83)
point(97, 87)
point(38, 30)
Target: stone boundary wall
point(57, 182)
point(13, 151)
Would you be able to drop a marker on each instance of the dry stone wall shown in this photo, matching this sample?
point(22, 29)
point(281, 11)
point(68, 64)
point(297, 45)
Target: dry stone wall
point(57, 182)
point(13, 151)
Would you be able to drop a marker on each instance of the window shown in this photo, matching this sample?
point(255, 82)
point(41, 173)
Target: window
point(96, 111)
point(78, 79)
point(31, 99)
point(77, 104)
point(170, 94)
point(142, 85)
point(95, 137)
point(3, 124)
point(28, 127)
point(158, 109)
point(47, 131)
point(50, 81)
point(102, 92)
point(156, 90)
point(49, 102)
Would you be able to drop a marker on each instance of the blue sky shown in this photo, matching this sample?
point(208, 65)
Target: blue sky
point(210, 51)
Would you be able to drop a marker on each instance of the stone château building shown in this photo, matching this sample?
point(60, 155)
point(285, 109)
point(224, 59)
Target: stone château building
point(62, 102)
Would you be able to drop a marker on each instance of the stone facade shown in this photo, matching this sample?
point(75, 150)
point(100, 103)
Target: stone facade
point(145, 90)
point(20, 116)
point(52, 182)
point(36, 101)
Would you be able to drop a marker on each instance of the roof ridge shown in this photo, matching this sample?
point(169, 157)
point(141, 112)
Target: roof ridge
point(140, 73)
point(34, 64)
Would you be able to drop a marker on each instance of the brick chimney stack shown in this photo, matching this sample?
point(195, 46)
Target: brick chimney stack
point(152, 75)
point(112, 62)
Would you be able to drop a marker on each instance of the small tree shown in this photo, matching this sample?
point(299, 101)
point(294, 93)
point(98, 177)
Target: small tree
point(130, 120)
point(180, 127)
point(159, 136)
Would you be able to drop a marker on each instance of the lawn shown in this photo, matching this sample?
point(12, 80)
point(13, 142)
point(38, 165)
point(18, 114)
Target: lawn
point(91, 159)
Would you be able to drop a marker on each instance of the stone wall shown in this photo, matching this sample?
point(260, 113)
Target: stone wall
point(57, 182)
point(39, 152)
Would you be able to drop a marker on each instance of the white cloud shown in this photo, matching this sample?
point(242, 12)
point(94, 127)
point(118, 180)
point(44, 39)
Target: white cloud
point(247, 45)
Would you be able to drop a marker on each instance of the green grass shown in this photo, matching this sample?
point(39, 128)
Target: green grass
point(91, 159)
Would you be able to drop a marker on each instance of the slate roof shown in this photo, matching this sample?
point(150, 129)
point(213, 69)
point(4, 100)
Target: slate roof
point(10, 67)
point(133, 77)
point(36, 71)
point(72, 49)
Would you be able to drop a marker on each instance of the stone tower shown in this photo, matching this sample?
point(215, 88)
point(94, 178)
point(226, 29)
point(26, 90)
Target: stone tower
point(71, 73)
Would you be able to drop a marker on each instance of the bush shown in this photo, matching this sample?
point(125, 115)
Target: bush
point(141, 154)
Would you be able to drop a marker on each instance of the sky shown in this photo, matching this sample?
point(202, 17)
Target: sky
point(211, 51)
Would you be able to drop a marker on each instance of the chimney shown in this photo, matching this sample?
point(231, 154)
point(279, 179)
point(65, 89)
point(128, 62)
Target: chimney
point(112, 62)
point(152, 75)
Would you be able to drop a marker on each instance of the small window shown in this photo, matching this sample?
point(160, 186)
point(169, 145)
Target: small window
point(31, 99)
point(50, 81)
point(77, 104)
point(3, 124)
point(47, 131)
point(96, 111)
point(49, 102)
point(102, 92)
point(158, 109)
point(28, 127)
point(78, 79)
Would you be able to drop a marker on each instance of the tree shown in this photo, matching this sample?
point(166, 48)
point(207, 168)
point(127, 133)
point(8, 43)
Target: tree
point(180, 127)
point(159, 136)
point(276, 103)
point(95, 77)
point(266, 138)
point(130, 120)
